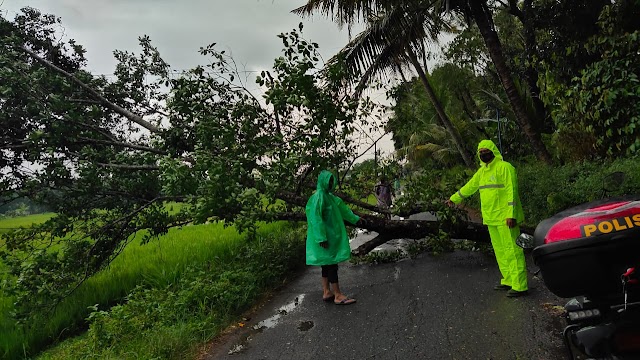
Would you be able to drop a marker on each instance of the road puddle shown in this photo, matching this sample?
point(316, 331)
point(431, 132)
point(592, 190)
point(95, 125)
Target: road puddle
point(305, 325)
point(272, 321)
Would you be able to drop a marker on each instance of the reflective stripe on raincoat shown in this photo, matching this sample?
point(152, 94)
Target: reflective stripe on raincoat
point(498, 186)
point(326, 214)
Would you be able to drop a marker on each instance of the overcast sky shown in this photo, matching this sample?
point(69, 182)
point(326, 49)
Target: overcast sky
point(245, 28)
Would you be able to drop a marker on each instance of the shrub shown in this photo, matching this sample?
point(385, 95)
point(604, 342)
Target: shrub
point(546, 190)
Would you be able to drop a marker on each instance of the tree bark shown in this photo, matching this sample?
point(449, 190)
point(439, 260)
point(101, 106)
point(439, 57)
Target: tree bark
point(484, 20)
point(444, 119)
point(388, 229)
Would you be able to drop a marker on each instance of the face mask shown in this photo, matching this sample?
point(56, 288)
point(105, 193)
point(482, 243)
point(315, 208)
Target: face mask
point(487, 157)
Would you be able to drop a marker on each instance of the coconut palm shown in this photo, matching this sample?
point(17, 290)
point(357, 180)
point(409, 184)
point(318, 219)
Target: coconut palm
point(394, 37)
point(481, 13)
point(347, 12)
point(433, 143)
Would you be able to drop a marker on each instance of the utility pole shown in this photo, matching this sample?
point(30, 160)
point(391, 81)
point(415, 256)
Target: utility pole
point(375, 156)
point(498, 120)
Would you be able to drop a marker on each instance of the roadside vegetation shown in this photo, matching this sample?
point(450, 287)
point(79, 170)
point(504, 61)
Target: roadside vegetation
point(181, 289)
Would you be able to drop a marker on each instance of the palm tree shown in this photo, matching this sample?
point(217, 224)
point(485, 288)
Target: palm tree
point(393, 37)
point(480, 12)
point(431, 11)
point(433, 143)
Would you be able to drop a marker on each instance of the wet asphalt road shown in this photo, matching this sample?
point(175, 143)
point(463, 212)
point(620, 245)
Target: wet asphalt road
point(430, 307)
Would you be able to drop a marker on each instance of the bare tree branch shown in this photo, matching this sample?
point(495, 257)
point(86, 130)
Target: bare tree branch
point(123, 144)
point(129, 167)
point(84, 101)
point(104, 101)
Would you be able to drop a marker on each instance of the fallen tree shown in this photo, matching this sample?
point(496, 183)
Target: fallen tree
point(113, 157)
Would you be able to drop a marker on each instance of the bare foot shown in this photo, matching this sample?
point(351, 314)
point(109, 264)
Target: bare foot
point(328, 297)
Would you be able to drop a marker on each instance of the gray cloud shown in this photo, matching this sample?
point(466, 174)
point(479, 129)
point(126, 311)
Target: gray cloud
point(247, 28)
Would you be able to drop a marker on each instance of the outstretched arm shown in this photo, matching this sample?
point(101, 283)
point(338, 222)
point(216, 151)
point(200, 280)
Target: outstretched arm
point(345, 211)
point(467, 190)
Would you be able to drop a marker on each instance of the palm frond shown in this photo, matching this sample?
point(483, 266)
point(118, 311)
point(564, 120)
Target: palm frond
point(378, 50)
point(341, 11)
point(430, 148)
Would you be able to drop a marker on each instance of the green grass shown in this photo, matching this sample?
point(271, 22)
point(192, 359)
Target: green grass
point(8, 224)
point(172, 318)
point(155, 265)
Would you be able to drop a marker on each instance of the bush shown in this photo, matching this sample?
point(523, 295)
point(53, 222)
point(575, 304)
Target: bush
point(546, 190)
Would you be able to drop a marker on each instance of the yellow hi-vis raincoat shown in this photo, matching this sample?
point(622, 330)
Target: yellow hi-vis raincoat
point(325, 222)
point(498, 185)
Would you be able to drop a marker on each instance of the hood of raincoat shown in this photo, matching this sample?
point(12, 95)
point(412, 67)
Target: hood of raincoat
point(323, 181)
point(488, 144)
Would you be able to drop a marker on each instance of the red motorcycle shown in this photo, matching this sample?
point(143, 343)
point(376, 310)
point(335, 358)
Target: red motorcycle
point(591, 254)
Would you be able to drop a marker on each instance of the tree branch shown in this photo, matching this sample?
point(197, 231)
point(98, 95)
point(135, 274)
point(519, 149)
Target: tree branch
point(515, 10)
point(129, 167)
point(104, 101)
point(361, 154)
point(123, 144)
point(84, 101)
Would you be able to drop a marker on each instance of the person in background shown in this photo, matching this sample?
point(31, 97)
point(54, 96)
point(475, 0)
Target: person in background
point(327, 239)
point(396, 187)
point(501, 212)
point(384, 192)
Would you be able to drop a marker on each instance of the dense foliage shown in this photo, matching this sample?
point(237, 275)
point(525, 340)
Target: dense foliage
point(171, 320)
point(575, 65)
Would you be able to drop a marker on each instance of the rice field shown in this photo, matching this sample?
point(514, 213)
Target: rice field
point(155, 264)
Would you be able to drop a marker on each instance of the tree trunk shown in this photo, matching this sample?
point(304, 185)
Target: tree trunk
point(390, 229)
point(484, 20)
point(444, 119)
point(417, 229)
point(402, 229)
point(543, 124)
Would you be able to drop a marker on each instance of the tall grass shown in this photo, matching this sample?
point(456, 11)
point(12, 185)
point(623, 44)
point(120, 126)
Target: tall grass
point(154, 265)
point(171, 319)
point(7, 325)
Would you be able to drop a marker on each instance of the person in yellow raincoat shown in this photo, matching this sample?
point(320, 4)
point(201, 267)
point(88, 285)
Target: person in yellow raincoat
point(501, 212)
point(327, 240)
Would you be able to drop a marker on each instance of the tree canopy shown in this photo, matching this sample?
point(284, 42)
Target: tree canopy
point(108, 154)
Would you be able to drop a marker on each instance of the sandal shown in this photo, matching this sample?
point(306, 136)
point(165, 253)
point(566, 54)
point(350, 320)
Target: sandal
point(345, 301)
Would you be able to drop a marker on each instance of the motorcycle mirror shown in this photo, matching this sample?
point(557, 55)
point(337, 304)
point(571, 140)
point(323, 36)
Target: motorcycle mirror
point(525, 241)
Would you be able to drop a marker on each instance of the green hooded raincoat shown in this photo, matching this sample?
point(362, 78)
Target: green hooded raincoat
point(498, 185)
point(326, 214)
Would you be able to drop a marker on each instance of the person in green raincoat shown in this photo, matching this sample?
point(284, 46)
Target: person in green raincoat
point(501, 212)
point(327, 240)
